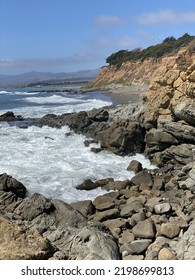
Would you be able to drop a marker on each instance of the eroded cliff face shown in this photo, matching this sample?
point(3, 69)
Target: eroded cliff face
point(171, 91)
point(171, 81)
point(135, 72)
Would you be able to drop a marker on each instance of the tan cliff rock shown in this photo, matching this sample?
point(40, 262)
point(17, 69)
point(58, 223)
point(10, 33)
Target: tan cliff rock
point(18, 242)
point(170, 79)
point(135, 72)
point(175, 86)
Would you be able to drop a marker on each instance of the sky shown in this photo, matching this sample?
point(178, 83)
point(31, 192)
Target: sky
point(73, 35)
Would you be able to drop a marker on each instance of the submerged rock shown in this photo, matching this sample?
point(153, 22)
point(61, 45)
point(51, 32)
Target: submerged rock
point(87, 185)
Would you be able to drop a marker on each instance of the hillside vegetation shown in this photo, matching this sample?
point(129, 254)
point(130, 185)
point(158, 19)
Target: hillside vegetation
point(169, 45)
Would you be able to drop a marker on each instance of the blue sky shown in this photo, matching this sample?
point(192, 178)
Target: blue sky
point(73, 35)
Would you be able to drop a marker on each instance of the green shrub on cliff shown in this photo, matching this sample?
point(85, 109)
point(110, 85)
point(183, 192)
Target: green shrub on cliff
point(169, 45)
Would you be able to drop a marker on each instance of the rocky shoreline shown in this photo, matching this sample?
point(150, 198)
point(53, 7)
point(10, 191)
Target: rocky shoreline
point(150, 217)
point(140, 219)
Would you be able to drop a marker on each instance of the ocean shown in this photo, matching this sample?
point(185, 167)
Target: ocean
point(44, 159)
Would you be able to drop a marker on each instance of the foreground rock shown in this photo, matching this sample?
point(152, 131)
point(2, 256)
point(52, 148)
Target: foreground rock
point(7, 183)
point(18, 242)
point(57, 229)
point(134, 222)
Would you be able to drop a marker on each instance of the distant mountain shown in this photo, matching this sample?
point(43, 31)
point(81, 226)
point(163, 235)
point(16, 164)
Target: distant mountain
point(36, 77)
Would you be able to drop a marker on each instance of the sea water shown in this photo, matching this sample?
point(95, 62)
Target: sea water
point(45, 159)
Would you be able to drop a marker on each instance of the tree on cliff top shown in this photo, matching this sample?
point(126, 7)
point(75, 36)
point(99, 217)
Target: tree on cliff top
point(168, 46)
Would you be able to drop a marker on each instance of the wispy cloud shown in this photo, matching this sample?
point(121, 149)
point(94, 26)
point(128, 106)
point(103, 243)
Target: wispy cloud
point(78, 61)
point(110, 42)
point(166, 17)
point(4, 62)
point(102, 21)
point(79, 57)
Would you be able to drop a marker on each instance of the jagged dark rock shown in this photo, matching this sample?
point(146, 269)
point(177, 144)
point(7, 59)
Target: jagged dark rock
point(87, 185)
point(123, 137)
point(7, 183)
point(158, 140)
point(10, 117)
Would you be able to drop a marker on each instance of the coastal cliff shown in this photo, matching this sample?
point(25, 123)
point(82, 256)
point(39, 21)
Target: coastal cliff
point(150, 216)
point(170, 87)
point(133, 72)
point(141, 72)
point(141, 66)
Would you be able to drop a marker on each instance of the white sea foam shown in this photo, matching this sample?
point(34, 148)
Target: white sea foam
point(51, 99)
point(47, 161)
point(36, 107)
point(3, 92)
point(26, 92)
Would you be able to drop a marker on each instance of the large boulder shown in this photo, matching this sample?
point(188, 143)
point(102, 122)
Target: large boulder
point(65, 215)
point(135, 166)
point(144, 229)
point(8, 201)
point(76, 121)
point(7, 183)
point(92, 242)
point(51, 120)
point(142, 177)
point(98, 115)
point(52, 224)
point(184, 133)
point(76, 238)
point(179, 155)
point(185, 111)
point(34, 206)
point(123, 137)
point(158, 140)
point(86, 207)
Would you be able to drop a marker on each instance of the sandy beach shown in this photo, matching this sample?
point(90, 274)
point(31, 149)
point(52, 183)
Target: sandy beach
point(126, 94)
